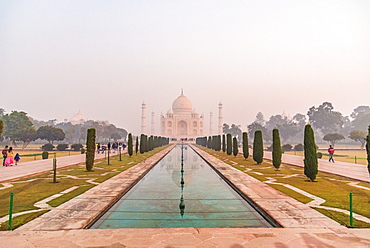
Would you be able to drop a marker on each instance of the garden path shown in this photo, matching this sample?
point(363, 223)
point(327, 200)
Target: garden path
point(27, 169)
point(349, 170)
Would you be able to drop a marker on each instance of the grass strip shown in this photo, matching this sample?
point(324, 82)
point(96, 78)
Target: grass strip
point(28, 191)
point(333, 189)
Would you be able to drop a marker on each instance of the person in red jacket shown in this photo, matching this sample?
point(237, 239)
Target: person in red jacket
point(331, 152)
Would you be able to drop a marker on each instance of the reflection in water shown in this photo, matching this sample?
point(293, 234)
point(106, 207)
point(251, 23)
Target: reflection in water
point(154, 202)
point(182, 182)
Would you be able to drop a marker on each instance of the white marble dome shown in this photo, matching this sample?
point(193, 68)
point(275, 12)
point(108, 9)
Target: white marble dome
point(182, 104)
point(78, 119)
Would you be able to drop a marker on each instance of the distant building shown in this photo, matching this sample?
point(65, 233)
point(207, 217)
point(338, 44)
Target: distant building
point(182, 120)
point(78, 119)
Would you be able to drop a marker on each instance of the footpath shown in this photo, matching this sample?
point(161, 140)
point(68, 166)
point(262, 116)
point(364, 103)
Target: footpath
point(27, 169)
point(348, 170)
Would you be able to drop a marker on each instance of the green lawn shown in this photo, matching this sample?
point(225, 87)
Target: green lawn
point(334, 189)
point(341, 155)
point(30, 190)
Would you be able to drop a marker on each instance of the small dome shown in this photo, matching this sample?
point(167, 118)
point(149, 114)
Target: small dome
point(170, 112)
point(194, 112)
point(78, 119)
point(182, 104)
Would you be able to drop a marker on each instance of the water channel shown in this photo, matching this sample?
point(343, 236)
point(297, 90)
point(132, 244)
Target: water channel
point(182, 190)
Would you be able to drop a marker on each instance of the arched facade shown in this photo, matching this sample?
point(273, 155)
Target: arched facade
point(182, 121)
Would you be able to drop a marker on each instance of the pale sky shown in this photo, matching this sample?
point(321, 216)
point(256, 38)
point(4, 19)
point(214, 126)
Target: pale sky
point(104, 58)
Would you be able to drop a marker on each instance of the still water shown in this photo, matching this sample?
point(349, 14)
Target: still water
point(181, 191)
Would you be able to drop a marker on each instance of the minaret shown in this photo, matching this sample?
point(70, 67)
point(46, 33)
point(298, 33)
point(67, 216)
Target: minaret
point(220, 118)
point(152, 124)
point(143, 118)
point(210, 123)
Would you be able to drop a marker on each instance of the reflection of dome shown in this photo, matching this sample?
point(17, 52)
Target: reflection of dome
point(78, 119)
point(182, 104)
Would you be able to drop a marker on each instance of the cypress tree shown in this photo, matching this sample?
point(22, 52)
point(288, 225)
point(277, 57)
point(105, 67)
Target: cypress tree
point(90, 149)
point(276, 149)
point(368, 150)
point(258, 147)
point(146, 143)
point(209, 142)
point(229, 148)
point(218, 142)
point(245, 145)
point(310, 154)
point(137, 145)
point(129, 145)
point(223, 143)
point(235, 147)
point(142, 143)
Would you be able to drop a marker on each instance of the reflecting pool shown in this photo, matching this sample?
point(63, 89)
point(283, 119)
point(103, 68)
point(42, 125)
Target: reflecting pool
point(181, 191)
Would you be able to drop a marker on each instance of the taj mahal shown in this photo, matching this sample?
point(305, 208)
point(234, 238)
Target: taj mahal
point(182, 120)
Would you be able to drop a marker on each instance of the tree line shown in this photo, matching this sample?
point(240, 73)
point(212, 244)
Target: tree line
point(229, 145)
point(328, 124)
point(19, 127)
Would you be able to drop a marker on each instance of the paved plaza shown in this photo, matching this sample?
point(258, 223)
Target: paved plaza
point(302, 226)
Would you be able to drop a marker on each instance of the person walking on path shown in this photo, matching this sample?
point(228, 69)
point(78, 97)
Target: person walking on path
point(331, 153)
point(5, 153)
point(17, 158)
point(10, 157)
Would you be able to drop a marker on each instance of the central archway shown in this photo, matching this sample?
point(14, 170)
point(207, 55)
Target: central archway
point(182, 128)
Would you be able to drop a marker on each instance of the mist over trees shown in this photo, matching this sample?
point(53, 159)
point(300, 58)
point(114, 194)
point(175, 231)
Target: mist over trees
point(19, 127)
point(324, 119)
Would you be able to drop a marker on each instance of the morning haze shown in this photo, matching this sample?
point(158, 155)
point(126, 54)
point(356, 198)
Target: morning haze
point(105, 58)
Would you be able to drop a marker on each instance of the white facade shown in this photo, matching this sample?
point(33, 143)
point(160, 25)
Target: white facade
point(182, 121)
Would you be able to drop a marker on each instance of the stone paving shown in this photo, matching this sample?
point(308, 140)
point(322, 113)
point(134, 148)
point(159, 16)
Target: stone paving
point(303, 227)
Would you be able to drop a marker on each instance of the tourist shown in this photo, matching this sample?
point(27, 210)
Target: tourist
point(4, 152)
point(331, 153)
point(17, 158)
point(9, 157)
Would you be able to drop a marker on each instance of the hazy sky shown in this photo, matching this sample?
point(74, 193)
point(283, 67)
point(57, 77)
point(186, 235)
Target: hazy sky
point(105, 58)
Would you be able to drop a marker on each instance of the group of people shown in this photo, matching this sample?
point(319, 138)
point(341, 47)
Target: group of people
point(9, 159)
point(114, 147)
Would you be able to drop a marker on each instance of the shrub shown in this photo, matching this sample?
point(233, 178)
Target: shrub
point(298, 147)
point(310, 154)
point(258, 147)
point(235, 147)
point(319, 155)
point(90, 147)
point(129, 145)
point(287, 147)
point(276, 149)
point(62, 147)
point(47, 147)
point(143, 143)
point(76, 147)
point(223, 143)
point(229, 145)
point(245, 145)
point(137, 145)
point(45, 155)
